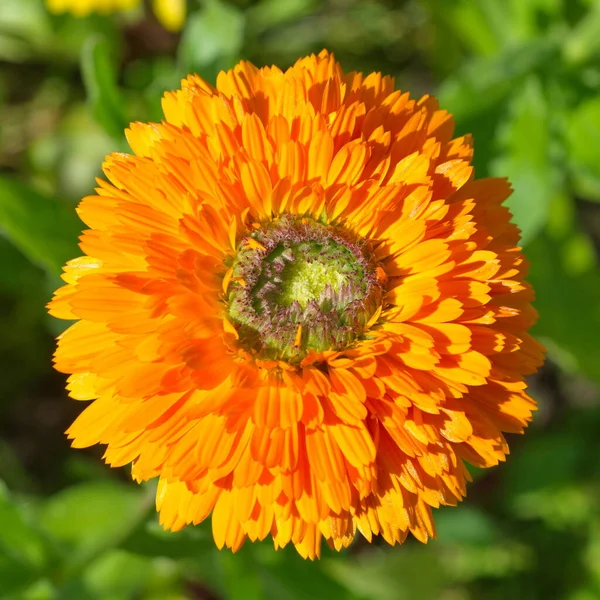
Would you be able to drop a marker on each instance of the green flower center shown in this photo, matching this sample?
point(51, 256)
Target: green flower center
point(304, 281)
point(299, 286)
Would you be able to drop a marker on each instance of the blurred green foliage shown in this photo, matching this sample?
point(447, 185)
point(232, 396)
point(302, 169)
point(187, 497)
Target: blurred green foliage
point(523, 76)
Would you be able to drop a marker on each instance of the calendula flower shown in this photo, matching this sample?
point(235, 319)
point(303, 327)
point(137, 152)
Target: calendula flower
point(171, 13)
point(298, 309)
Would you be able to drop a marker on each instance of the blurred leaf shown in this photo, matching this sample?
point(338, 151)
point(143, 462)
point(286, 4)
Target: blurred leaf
point(165, 582)
point(464, 525)
point(93, 517)
point(27, 18)
point(481, 25)
point(469, 563)
point(81, 467)
point(25, 554)
point(15, 577)
point(407, 573)
point(70, 157)
point(525, 139)
point(71, 34)
point(24, 25)
point(272, 13)
point(117, 575)
point(19, 541)
point(28, 31)
point(83, 146)
point(476, 472)
point(286, 576)
point(149, 80)
point(560, 507)
point(25, 344)
point(241, 577)
point(592, 555)
point(40, 226)
point(589, 593)
point(531, 18)
point(485, 82)
point(257, 571)
point(583, 147)
point(42, 589)
point(566, 291)
point(150, 539)
point(11, 470)
point(212, 38)
point(100, 79)
point(583, 41)
point(17, 271)
point(74, 589)
point(544, 462)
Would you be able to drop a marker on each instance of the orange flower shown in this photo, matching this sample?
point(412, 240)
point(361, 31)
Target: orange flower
point(298, 309)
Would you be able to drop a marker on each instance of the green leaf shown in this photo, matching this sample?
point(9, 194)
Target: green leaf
point(286, 576)
point(465, 524)
point(150, 539)
point(467, 563)
point(565, 276)
point(117, 575)
point(405, 574)
point(20, 542)
point(241, 577)
point(26, 555)
point(530, 18)
point(544, 462)
point(100, 79)
point(15, 577)
point(269, 14)
point(82, 146)
point(212, 38)
point(484, 83)
point(583, 148)
point(482, 25)
point(583, 42)
point(40, 226)
point(93, 517)
point(259, 572)
point(24, 27)
point(11, 470)
point(525, 140)
point(561, 507)
point(42, 589)
point(71, 34)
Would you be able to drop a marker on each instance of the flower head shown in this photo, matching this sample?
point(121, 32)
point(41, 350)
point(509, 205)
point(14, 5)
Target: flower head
point(298, 309)
point(171, 13)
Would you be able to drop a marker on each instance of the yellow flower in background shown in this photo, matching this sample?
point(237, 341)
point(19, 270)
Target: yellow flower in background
point(298, 309)
point(82, 8)
point(171, 13)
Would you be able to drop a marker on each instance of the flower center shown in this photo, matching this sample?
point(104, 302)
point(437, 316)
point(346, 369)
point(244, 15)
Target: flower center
point(298, 286)
point(313, 271)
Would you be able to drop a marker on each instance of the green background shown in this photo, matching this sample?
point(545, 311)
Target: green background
point(522, 75)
